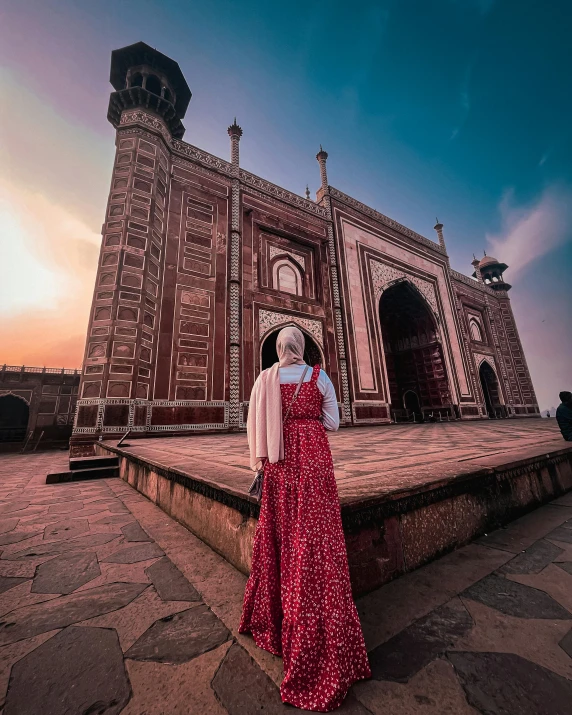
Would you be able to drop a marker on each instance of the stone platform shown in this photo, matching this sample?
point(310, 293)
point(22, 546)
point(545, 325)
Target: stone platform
point(408, 493)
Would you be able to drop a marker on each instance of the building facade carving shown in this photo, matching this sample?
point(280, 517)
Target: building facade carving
point(382, 275)
point(268, 319)
point(186, 305)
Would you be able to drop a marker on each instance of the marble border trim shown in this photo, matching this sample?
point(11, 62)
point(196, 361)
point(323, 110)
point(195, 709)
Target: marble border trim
point(269, 320)
point(148, 427)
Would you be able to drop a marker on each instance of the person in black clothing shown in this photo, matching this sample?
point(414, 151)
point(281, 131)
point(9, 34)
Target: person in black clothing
point(564, 415)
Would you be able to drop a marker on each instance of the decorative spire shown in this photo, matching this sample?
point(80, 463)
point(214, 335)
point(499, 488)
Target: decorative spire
point(234, 130)
point(307, 192)
point(322, 157)
point(439, 228)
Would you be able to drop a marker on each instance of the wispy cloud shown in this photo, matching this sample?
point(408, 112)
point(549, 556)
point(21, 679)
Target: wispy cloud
point(530, 232)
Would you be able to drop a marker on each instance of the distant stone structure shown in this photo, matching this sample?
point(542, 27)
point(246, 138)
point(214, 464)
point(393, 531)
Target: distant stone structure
point(203, 262)
point(36, 402)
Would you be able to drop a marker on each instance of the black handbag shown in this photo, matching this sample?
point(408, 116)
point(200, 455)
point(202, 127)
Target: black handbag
point(255, 489)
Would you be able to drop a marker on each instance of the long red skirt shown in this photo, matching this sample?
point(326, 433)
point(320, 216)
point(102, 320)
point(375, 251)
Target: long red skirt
point(298, 602)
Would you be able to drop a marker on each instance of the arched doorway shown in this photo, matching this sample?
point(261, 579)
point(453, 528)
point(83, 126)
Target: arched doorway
point(412, 405)
point(491, 391)
point(268, 354)
point(418, 384)
point(14, 416)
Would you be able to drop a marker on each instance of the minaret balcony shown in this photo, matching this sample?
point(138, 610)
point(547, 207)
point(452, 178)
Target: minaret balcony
point(138, 97)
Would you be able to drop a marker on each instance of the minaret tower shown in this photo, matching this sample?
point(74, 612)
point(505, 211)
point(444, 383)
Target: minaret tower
point(490, 271)
point(126, 362)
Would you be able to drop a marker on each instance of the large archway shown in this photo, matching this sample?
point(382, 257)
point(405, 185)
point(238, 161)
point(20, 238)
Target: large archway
point(14, 416)
point(418, 384)
point(268, 354)
point(491, 391)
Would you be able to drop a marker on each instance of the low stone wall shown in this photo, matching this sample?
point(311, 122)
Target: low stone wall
point(385, 537)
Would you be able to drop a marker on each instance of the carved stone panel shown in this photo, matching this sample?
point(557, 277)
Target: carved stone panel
point(383, 275)
point(268, 319)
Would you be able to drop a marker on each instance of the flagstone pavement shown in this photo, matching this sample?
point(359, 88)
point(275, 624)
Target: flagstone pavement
point(109, 606)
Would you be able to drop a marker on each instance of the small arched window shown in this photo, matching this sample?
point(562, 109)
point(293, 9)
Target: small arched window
point(153, 84)
point(287, 277)
point(476, 333)
point(137, 80)
point(288, 281)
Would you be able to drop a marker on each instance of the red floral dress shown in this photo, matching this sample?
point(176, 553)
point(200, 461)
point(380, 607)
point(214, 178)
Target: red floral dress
point(298, 602)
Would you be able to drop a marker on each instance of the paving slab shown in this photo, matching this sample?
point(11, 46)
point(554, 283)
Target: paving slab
point(435, 690)
point(180, 637)
point(58, 547)
point(79, 670)
point(8, 524)
point(515, 599)
point(65, 507)
point(68, 528)
point(14, 537)
point(566, 643)
point(552, 580)
point(534, 639)
point(185, 687)
point(16, 505)
point(7, 582)
point(11, 654)
point(503, 683)
point(66, 573)
point(534, 559)
point(242, 687)
point(61, 612)
point(404, 655)
point(132, 554)
point(170, 583)
point(134, 532)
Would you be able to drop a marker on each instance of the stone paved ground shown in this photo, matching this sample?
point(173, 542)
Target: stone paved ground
point(369, 461)
point(109, 606)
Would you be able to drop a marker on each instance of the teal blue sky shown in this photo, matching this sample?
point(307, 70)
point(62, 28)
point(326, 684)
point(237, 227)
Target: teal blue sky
point(459, 109)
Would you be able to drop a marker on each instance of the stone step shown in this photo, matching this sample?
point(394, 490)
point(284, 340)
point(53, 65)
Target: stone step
point(77, 475)
point(93, 462)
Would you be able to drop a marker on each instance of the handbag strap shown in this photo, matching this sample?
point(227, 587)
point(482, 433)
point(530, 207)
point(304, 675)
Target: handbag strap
point(297, 390)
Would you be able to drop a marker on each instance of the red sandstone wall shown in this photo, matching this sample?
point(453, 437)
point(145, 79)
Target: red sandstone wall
point(273, 234)
point(500, 345)
point(374, 252)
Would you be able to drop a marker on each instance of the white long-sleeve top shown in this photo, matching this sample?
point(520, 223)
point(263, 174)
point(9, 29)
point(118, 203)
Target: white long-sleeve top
point(330, 412)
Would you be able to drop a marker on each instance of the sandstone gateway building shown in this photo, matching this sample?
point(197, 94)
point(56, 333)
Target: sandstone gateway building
point(203, 262)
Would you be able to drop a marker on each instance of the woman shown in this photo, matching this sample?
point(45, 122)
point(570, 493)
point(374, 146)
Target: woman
point(298, 602)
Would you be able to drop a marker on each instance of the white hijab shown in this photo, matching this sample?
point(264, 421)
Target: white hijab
point(264, 425)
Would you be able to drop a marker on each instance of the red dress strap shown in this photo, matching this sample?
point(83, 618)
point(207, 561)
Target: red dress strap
point(315, 373)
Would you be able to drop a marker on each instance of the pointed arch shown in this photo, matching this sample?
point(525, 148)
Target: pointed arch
point(314, 352)
point(475, 330)
point(287, 275)
point(414, 360)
